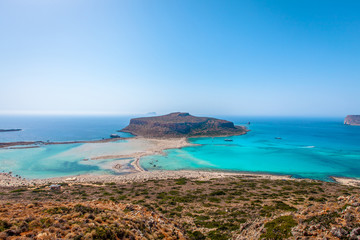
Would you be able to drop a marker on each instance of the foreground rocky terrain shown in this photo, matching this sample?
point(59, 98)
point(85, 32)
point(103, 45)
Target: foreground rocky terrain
point(224, 208)
point(181, 125)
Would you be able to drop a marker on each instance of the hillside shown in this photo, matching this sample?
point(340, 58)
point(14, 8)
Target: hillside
point(212, 209)
point(182, 125)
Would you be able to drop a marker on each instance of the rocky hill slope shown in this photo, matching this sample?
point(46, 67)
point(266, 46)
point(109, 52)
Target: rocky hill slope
point(182, 125)
point(196, 209)
point(352, 120)
point(93, 220)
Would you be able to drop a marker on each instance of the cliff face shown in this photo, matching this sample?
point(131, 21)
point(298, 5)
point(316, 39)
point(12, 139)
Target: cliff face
point(352, 120)
point(182, 125)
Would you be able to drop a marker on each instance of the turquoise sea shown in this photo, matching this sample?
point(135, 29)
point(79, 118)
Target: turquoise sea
point(309, 148)
point(314, 148)
point(61, 159)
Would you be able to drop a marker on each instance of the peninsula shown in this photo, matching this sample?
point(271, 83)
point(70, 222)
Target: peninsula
point(180, 124)
point(352, 120)
point(10, 130)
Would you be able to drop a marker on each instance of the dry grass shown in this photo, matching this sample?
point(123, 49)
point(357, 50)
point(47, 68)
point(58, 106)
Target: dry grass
point(216, 209)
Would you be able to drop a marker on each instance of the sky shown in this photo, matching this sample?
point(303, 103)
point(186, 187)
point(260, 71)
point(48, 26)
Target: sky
point(260, 58)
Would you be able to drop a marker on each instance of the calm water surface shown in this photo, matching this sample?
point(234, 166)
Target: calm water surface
point(61, 128)
point(311, 148)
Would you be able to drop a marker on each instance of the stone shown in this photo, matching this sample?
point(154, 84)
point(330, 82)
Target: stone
point(338, 232)
point(355, 233)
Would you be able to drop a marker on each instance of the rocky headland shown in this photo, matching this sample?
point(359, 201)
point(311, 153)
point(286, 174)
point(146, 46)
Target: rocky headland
point(181, 125)
point(352, 120)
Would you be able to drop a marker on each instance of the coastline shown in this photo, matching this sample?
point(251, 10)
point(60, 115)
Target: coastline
point(40, 143)
point(141, 176)
point(136, 165)
point(11, 130)
point(151, 146)
point(347, 181)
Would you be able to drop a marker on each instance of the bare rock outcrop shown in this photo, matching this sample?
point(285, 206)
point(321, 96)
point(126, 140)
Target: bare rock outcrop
point(352, 120)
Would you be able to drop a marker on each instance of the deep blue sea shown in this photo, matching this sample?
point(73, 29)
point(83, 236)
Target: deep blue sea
point(61, 128)
point(314, 148)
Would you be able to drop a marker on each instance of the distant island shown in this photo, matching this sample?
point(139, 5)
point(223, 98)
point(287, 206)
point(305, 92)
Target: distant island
point(180, 124)
point(352, 120)
point(10, 130)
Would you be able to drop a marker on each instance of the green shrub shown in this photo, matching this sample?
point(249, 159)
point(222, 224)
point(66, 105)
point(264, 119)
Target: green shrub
point(283, 206)
point(214, 199)
point(58, 210)
point(324, 219)
point(84, 209)
point(19, 190)
point(110, 184)
point(202, 217)
point(215, 235)
point(4, 225)
point(180, 181)
point(104, 232)
point(279, 228)
point(196, 235)
point(217, 193)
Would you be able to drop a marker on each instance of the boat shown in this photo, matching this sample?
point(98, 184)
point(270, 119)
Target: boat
point(228, 140)
point(278, 138)
point(114, 136)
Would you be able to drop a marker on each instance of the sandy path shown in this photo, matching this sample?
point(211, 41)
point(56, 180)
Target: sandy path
point(149, 147)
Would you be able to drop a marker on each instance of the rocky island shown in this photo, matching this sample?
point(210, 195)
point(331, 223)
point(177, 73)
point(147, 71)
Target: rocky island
point(352, 120)
point(180, 124)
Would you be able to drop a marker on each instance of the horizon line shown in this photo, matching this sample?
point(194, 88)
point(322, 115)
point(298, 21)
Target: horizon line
point(41, 113)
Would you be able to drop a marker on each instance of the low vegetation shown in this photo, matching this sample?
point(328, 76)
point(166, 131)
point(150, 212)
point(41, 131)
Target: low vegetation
point(227, 208)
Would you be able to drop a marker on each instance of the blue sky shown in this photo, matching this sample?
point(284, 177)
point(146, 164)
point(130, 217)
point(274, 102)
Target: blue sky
point(284, 57)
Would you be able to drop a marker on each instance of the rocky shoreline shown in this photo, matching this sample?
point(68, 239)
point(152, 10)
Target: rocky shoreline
point(7, 180)
point(353, 120)
point(31, 144)
point(140, 175)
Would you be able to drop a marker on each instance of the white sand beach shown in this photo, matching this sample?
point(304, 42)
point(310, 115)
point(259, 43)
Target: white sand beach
point(10, 181)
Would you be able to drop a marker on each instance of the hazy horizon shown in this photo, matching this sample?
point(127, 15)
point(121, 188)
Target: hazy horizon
point(206, 57)
point(208, 114)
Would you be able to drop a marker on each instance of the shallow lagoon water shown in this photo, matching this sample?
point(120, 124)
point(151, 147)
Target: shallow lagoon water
point(308, 148)
point(66, 159)
point(43, 162)
point(311, 148)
